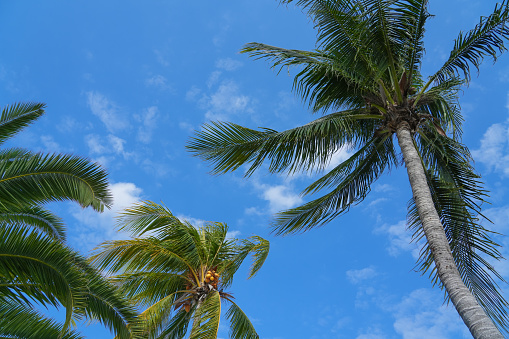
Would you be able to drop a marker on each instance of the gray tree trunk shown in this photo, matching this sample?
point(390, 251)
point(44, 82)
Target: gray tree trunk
point(479, 324)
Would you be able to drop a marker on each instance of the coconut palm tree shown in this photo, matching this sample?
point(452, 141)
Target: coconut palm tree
point(365, 78)
point(36, 267)
point(180, 272)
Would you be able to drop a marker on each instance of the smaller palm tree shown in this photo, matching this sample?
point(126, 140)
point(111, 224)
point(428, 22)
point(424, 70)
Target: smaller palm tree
point(180, 272)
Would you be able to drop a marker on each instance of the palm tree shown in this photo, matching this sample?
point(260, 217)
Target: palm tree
point(35, 264)
point(365, 78)
point(180, 272)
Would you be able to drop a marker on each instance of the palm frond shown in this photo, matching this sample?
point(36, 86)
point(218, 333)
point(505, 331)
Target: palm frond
point(20, 322)
point(352, 180)
point(441, 103)
point(28, 257)
point(149, 287)
point(36, 217)
point(16, 117)
point(106, 304)
point(139, 254)
point(241, 327)
point(206, 318)
point(470, 48)
point(228, 146)
point(177, 326)
point(414, 14)
point(53, 177)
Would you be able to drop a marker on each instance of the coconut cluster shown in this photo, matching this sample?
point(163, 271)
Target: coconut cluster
point(212, 278)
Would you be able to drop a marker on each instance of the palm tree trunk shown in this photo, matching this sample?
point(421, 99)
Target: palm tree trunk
point(479, 324)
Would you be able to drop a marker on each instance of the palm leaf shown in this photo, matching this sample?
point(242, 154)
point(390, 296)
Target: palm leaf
point(17, 116)
point(352, 180)
point(470, 48)
point(17, 321)
point(35, 217)
point(206, 318)
point(240, 325)
point(228, 146)
point(51, 178)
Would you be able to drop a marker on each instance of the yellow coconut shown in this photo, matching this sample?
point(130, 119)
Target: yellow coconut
point(211, 278)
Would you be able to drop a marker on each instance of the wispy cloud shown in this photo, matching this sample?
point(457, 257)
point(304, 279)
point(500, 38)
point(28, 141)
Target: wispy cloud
point(158, 81)
point(356, 276)
point(494, 149)
point(226, 101)
point(400, 239)
point(148, 122)
point(107, 111)
point(418, 316)
point(228, 64)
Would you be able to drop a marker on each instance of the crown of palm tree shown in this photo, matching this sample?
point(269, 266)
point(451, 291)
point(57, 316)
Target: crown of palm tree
point(180, 272)
point(366, 70)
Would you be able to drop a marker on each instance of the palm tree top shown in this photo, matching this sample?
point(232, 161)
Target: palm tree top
point(179, 271)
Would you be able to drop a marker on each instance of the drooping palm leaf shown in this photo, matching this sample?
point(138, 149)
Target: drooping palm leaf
point(36, 217)
point(241, 327)
point(206, 318)
point(17, 116)
point(20, 322)
point(51, 178)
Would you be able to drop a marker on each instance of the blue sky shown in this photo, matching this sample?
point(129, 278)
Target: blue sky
point(126, 83)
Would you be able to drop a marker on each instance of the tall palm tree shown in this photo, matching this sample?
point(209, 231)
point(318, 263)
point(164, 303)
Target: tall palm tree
point(180, 272)
point(366, 70)
point(35, 264)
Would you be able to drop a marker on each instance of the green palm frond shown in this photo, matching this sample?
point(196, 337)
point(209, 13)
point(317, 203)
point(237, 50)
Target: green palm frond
point(157, 318)
point(414, 14)
point(241, 327)
point(28, 257)
point(51, 178)
point(36, 217)
point(17, 116)
point(470, 48)
point(228, 146)
point(149, 287)
point(139, 254)
point(351, 180)
point(107, 305)
point(34, 266)
point(177, 326)
point(206, 318)
point(441, 103)
point(20, 322)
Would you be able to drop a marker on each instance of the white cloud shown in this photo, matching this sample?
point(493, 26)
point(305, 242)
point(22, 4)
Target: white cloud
point(494, 149)
point(96, 227)
point(400, 239)
point(106, 111)
point(110, 144)
point(356, 276)
point(213, 78)
point(228, 64)
point(157, 81)
point(50, 144)
point(225, 101)
point(280, 197)
point(148, 122)
point(418, 316)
